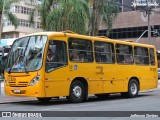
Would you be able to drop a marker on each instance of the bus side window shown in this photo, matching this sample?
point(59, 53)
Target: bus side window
point(56, 55)
point(124, 54)
point(152, 57)
point(104, 52)
point(141, 55)
point(80, 50)
point(120, 58)
point(128, 59)
point(74, 55)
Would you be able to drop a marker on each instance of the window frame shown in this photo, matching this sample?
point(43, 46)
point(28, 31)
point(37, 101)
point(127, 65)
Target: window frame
point(131, 56)
point(150, 62)
point(77, 50)
point(66, 55)
point(112, 54)
point(142, 56)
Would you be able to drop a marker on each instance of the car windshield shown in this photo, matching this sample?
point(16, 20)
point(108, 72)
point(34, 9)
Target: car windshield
point(26, 54)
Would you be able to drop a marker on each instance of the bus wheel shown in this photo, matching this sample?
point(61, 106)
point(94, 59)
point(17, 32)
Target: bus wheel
point(133, 89)
point(105, 95)
point(44, 99)
point(77, 92)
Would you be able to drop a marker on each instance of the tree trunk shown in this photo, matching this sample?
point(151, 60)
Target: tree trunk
point(0, 27)
point(95, 20)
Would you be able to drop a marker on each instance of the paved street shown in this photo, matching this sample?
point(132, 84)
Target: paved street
point(146, 101)
point(6, 99)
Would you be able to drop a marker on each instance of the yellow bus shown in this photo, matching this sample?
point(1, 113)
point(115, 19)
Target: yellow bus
point(52, 64)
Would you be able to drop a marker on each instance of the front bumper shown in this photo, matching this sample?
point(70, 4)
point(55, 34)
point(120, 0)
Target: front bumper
point(29, 91)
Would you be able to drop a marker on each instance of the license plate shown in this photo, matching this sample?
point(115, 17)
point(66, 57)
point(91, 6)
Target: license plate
point(17, 91)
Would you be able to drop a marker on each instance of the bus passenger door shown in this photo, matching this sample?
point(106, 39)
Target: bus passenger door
point(56, 76)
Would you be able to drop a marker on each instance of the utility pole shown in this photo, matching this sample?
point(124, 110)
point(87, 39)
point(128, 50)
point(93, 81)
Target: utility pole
point(146, 7)
point(149, 26)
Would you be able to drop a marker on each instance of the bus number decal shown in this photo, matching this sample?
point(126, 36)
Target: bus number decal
point(152, 69)
point(99, 70)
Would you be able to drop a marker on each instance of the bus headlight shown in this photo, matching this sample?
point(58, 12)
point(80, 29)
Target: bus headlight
point(35, 80)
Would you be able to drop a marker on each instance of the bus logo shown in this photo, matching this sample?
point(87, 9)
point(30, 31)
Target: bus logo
point(11, 79)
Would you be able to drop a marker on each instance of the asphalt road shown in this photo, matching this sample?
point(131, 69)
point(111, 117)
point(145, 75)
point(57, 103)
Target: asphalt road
point(146, 101)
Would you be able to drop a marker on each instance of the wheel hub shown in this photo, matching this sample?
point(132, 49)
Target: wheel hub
point(77, 91)
point(133, 88)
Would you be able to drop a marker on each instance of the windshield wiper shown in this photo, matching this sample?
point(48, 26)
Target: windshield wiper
point(25, 64)
point(9, 71)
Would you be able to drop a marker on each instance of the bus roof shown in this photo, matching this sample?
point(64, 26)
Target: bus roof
point(97, 38)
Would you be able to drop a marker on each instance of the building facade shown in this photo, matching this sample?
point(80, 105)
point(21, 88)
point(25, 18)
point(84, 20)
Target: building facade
point(131, 24)
point(22, 10)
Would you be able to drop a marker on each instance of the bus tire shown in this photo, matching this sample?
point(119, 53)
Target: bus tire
point(44, 99)
point(77, 92)
point(133, 89)
point(104, 95)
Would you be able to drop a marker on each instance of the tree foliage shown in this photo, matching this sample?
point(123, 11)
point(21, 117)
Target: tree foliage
point(102, 11)
point(81, 16)
point(5, 8)
point(60, 15)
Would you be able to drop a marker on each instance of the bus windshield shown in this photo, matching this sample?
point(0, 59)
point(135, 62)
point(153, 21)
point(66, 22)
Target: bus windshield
point(26, 54)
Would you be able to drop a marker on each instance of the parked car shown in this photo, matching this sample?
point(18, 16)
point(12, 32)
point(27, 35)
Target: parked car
point(158, 73)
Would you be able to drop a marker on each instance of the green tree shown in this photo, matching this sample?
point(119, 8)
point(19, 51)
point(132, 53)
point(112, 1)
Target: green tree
point(81, 16)
point(5, 10)
point(102, 11)
point(61, 15)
